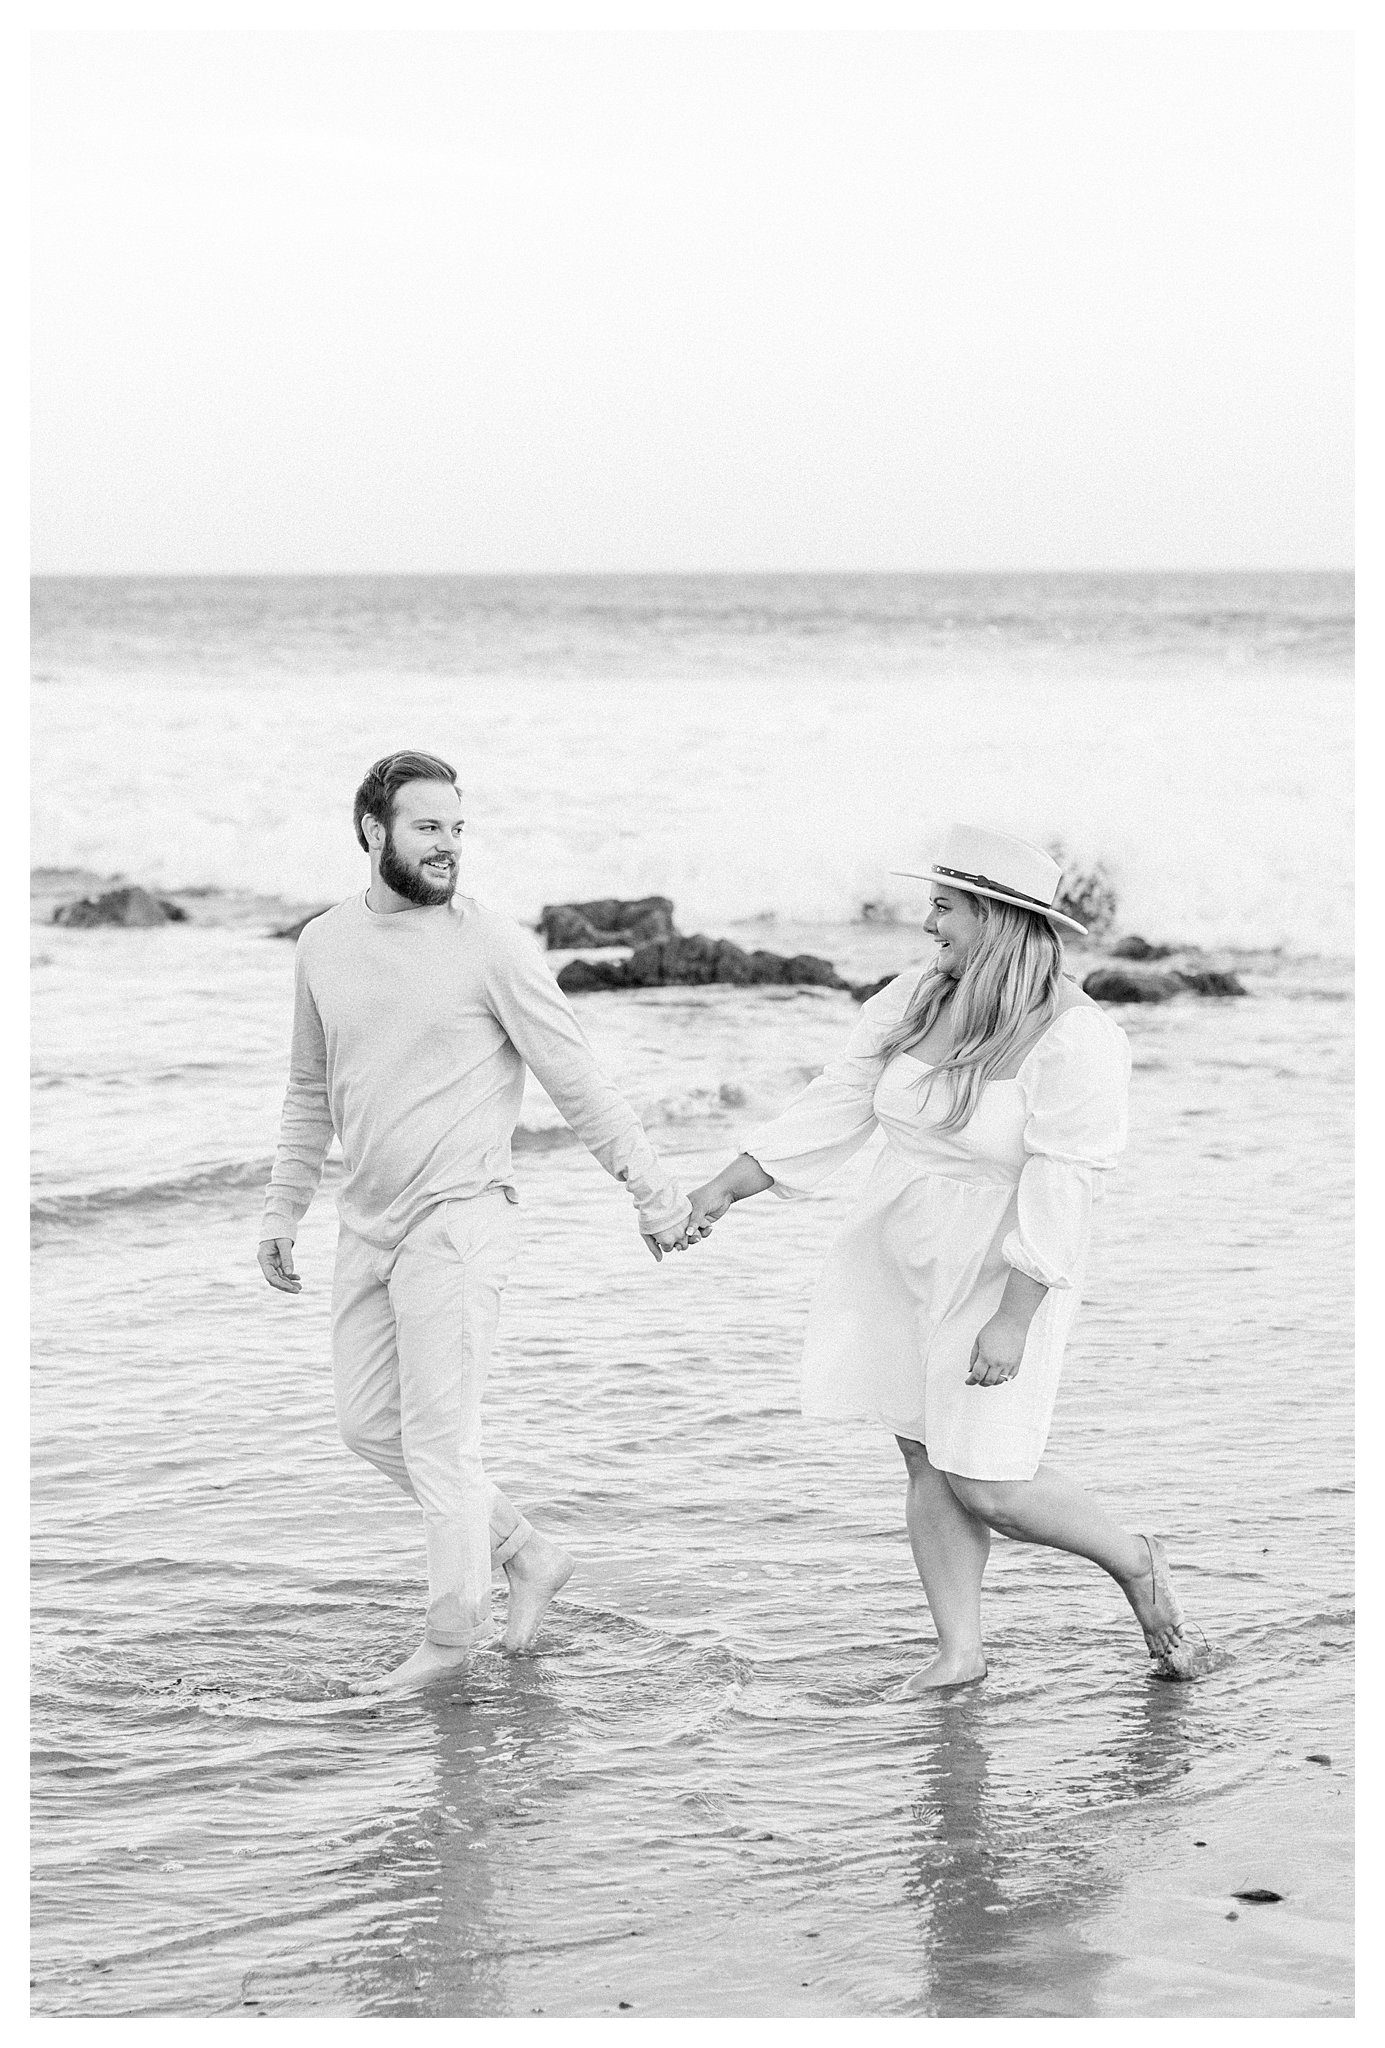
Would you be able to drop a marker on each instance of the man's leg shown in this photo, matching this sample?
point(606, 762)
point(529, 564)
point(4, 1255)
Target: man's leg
point(365, 1375)
point(445, 1287)
point(365, 1361)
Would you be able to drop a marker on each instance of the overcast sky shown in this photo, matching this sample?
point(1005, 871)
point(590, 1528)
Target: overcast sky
point(681, 301)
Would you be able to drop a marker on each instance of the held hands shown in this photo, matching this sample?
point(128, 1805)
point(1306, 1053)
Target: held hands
point(698, 1225)
point(276, 1263)
point(709, 1203)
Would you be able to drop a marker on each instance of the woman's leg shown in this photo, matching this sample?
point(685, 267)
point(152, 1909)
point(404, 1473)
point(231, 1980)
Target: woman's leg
point(1055, 1511)
point(950, 1549)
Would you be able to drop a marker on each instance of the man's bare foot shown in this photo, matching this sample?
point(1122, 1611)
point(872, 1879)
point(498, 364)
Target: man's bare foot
point(1160, 1612)
point(534, 1574)
point(945, 1670)
point(429, 1661)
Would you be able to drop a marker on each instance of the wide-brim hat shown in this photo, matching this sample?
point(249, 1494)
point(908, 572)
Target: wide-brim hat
point(1005, 869)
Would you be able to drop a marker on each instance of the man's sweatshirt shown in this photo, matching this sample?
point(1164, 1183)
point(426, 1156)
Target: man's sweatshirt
point(411, 1034)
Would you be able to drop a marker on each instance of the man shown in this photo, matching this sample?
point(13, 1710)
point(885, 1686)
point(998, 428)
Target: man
point(414, 1019)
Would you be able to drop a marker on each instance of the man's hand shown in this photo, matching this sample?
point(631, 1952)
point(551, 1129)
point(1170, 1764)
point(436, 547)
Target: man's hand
point(998, 1352)
point(671, 1240)
point(276, 1263)
point(709, 1203)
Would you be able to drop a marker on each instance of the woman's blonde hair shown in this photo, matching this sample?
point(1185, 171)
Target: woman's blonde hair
point(1007, 988)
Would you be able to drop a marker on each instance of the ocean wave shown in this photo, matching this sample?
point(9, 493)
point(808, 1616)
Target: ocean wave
point(741, 745)
point(541, 1130)
point(228, 1177)
point(202, 1183)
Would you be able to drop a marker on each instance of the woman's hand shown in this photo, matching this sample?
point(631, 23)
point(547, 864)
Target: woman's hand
point(666, 1241)
point(710, 1203)
point(743, 1176)
point(998, 1352)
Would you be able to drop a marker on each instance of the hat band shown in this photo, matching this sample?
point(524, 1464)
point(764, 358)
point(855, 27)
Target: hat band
point(985, 882)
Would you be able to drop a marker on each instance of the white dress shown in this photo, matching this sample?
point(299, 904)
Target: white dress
point(922, 1261)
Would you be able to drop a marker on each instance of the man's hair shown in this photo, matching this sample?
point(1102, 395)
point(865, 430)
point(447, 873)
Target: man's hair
point(384, 781)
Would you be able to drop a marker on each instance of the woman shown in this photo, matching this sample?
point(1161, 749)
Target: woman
point(945, 1303)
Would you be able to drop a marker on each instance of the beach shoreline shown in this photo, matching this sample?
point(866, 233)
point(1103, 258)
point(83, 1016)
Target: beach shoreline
point(702, 1795)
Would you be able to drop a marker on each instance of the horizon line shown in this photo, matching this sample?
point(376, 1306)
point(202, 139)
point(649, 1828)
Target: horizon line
point(589, 575)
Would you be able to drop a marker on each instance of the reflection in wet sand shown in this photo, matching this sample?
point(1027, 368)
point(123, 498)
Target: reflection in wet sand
point(454, 1920)
point(1001, 1913)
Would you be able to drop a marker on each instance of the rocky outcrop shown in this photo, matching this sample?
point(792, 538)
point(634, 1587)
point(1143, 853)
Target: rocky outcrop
point(1126, 985)
point(1136, 948)
point(607, 921)
point(695, 961)
point(587, 977)
point(1211, 981)
point(662, 956)
point(131, 907)
point(1132, 984)
point(291, 931)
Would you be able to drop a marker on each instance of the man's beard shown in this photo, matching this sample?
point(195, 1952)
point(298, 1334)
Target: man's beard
point(411, 882)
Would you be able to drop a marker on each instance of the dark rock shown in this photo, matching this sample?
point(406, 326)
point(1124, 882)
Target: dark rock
point(583, 977)
point(692, 961)
point(607, 921)
point(1127, 985)
point(1318, 1756)
point(805, 970)
point(131, 907)
point(864, 990)
point(1138, 984)
point(679, 961)
point(1211, 981)
point(291, 931)
point(1257, 1895)
point(1136, 948)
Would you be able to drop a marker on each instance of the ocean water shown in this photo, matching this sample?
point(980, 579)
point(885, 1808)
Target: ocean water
point(700, 1797)
point(746, 745)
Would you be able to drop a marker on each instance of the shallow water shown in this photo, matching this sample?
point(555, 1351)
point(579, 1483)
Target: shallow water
point(700, 1797)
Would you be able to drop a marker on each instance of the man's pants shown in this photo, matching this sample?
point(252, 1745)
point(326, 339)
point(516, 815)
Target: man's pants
point(411, 1341)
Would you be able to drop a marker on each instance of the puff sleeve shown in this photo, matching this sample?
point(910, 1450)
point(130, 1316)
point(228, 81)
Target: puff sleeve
point(1077, 1088)
point(835, 1114)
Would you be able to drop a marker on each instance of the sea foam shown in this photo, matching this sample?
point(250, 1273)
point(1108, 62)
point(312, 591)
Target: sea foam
point(776, 771)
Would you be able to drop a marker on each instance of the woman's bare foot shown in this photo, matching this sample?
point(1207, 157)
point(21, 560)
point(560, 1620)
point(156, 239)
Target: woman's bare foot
point(945, 1670)
point(1159, 1611)
point(429, 1661)
point(534, 1574)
